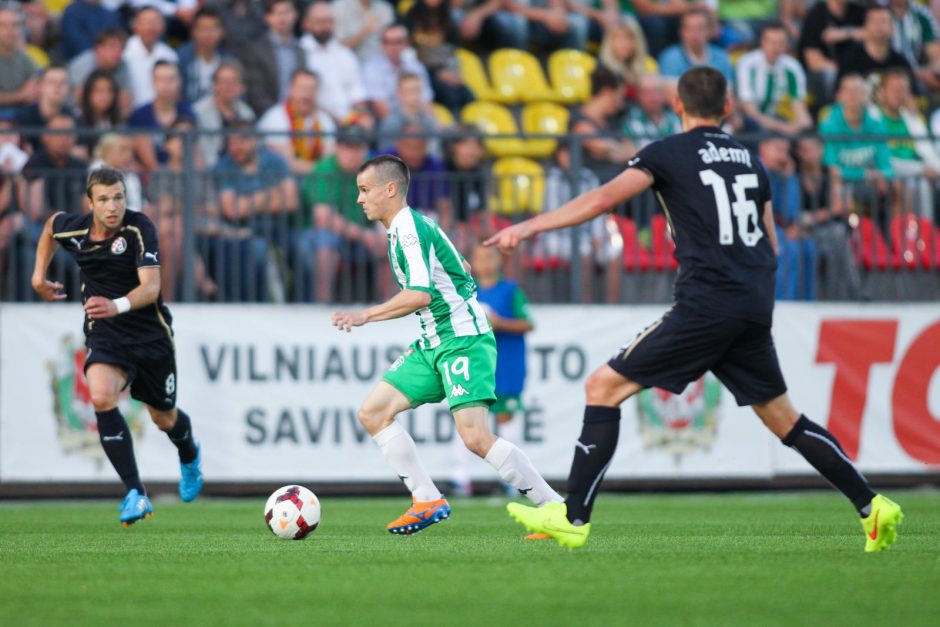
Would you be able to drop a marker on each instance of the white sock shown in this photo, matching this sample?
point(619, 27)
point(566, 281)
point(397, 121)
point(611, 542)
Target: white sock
point(515, 469)
point(511, 430)
point(402, 454)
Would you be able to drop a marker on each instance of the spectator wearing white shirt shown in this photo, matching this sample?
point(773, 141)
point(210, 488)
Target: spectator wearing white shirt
point(341, 85)
point(312, 130)
point(359, 25)
point(142, 52)
point(381, 71)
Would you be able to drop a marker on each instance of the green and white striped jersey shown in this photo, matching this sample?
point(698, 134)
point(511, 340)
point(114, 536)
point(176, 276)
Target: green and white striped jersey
point(914, 30)
point(767, 85)
point(423, 258)
point(643, 130)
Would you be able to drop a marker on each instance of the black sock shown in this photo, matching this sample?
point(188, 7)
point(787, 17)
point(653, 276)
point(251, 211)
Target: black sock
point(822, 450)
point(119, 447)
point(181, 435)
point(592, 455)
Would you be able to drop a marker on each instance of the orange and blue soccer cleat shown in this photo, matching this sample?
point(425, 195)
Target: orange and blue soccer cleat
point(881, 524)
point(420, 516)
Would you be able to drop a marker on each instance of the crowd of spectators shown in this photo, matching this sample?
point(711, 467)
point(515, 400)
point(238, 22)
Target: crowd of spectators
point(273, 104)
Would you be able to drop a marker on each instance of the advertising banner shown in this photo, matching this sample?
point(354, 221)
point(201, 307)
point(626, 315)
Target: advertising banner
point(274, 391)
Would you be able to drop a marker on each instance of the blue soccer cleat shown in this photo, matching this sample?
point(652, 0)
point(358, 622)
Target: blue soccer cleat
point(191, 481)
point(134, 507)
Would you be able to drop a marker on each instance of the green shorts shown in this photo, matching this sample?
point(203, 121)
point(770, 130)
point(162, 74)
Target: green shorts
point(461, 369)
point(507, 404)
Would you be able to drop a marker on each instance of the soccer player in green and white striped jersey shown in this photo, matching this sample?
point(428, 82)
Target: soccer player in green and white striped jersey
point(454, 359)
point(767, 78)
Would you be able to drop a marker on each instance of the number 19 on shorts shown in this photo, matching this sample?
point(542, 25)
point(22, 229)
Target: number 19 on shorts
point(459, 367)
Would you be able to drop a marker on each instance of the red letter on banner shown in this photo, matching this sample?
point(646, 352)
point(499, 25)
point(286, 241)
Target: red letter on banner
point(853, 346)
point(917, 431)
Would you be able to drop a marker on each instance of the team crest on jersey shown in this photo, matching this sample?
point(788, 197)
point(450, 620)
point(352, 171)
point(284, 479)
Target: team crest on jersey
point(119, 245)
point(409, 240)
point(74, 414)
point(679, 424)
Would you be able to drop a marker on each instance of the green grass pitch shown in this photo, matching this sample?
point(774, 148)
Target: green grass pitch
point(703, 559)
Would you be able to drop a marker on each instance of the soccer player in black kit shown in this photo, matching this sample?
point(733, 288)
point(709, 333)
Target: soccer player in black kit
point(716, 197)
point(128, 337)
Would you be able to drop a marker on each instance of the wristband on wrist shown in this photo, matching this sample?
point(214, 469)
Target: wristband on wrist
point(123, 304)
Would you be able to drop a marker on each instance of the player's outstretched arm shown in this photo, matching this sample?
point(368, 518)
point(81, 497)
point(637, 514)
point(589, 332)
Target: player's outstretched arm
point(587, 206)
point(401, 304)
point(98, 307)
point(45, 249)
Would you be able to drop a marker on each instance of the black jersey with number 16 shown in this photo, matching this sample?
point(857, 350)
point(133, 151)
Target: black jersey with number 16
point(713, 192)
point(109, 268)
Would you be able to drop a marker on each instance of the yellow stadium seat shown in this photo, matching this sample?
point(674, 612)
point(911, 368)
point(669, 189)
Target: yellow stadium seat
point(494, 119)
point(570, 72)
point(474, 75)
point(517, 77)
point(543, 118)
point(520, 186)
point(445, 119)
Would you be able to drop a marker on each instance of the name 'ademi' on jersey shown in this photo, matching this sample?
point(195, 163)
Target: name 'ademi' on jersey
point(734, 155)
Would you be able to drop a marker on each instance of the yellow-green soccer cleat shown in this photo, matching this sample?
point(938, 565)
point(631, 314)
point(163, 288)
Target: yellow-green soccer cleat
point(881, 525)
point(550, 519)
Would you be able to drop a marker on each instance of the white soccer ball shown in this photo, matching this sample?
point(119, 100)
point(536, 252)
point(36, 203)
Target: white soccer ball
point(292, 512)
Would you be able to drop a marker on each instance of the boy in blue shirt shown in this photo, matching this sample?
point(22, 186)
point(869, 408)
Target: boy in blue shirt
point(508, 312)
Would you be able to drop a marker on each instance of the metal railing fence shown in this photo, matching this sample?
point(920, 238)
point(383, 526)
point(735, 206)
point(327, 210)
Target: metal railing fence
point(263, 233)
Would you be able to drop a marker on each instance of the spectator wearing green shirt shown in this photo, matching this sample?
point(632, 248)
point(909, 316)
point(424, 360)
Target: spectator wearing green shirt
point(916, 163)
point(650, 118)
point(864, 163)
point(335, 228)
point(771, 85)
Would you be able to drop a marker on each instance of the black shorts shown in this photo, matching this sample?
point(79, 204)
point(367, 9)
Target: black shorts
point(682, 345)
point(150, 368)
